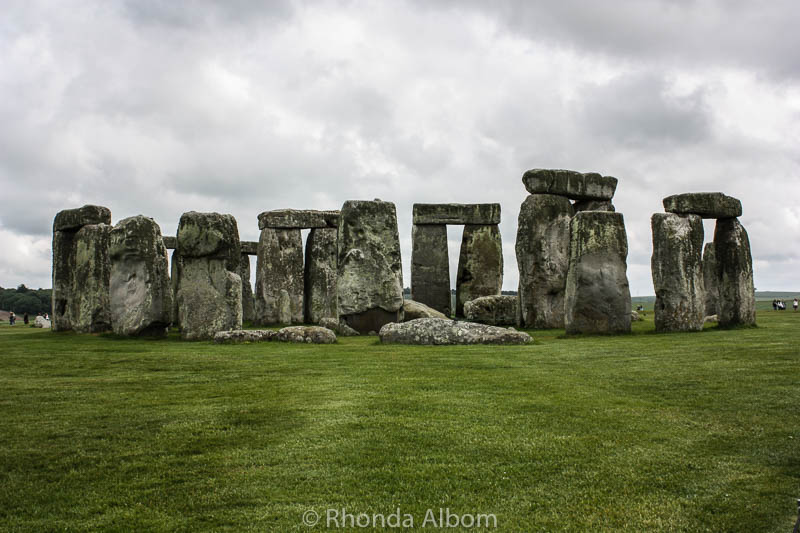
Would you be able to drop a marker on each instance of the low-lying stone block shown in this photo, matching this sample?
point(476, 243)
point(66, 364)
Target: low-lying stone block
point(573, 185)
point(703, 204)
point(338, 326)
point(456, 213)
point(74, 219)
point(238, 336)
point(298, 219)
point(41, 322)
point(413, 310)
point(441, 331)
point(500, 310)
point(306, 334)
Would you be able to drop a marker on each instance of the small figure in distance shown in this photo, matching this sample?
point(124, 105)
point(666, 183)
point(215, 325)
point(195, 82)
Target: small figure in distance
point(774, 305)
point(794, 304)
point(25, 319)
point(11, 318)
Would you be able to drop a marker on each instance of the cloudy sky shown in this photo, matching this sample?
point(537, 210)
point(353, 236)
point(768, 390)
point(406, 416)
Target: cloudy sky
point(158, 107)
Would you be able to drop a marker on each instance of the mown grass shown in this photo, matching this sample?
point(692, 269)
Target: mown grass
point(643, 432)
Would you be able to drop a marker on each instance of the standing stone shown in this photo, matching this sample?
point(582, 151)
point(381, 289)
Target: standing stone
point(370, 273)
point(677, 268)
point(430, 267)
point(140, 290)
point(597, 297)
point(63, 270)
point(737, 301)
point(209, 287)
point(91, 304)
point(480, 264)
point(248, 300)
point(543, 259)
point(174, 276)
point(279, 277)
point(320, 275)
point(710, 281)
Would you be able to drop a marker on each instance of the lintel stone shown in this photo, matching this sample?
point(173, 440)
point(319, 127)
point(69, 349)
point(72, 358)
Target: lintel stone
point(705, 204)
point(574, 185)
point(298, 219)
point(483, 214)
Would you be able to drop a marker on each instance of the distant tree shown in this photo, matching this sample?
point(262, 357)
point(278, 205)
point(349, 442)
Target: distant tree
point(22, 288)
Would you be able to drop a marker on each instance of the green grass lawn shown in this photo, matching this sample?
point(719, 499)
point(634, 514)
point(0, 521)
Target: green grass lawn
point(643, 432)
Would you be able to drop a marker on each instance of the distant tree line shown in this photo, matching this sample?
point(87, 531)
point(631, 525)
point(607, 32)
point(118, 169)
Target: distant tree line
point(24, 300)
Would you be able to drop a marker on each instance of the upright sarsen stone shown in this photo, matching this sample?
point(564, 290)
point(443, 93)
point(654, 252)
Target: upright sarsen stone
point(597, 297)
point(279, 277)
point(737, 302)
point(91, 304)
point(63, 270)
point(710, 282)
point(370, 273)
point(480, 264)
point(140, 289)
point(677, 269)
point(320, 275)
point(430, 267)
point(248, 300)
point(542, 249)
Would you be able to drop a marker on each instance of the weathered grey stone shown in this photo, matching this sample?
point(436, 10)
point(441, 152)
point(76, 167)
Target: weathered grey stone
point(737, 302)
point(493, 310)
point(279, 277)
point(209, 287)
point(457, 214)
point(139, 286)
point(248, 299)
point(593, 205)
point(75, 219)
point(370, 273)
point(430, 267)
point(543, 259)
point(174, 276)
point(711, 318)
point(170, 242)
point(41, 322)
point(573, 185)
point(338, 326)
point(306, 334)
point(438, 331)
point(413, 310)
point(677, 270)
point(704, 204)
point(239, 336)
point(480, 265)
point(298, 219)
point(320, 275)
point(635, 317)
point(63, 279)
point(249, 247)
point(710, 281)
point(91, 309)
point(597, 297)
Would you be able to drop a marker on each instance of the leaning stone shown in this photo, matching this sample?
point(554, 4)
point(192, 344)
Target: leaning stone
point(573, 185)
point(239, 336)
point(306, 334)
point(140, 290)
point(710, 281)
point(493, 310)
point(249, 247)
point(320, 275)
point(593, 205)
point(298, 219)
point(597, 297)
point(279, 277)
point(75, 219)
point(170, 242)
point(480, 265)
point(704, 204)
point(91, 304)
point(413, 310)
point(456, 214)
point(370, 271)
point(248, 300)
point(677, 269)
point(543, 259)
point(430, 267)
point(41, 322)
point(440, 331)
point(338, 326)
point(737, 302)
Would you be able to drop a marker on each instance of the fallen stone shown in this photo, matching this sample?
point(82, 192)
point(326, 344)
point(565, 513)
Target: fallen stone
point(41, 322)
point(279, 277)
point(593, 205)
point(573, 185)
point(75, 219)
point(139, 285)
point(338, 326)
point(710, 281)
point(306, 334)
point(430, 267)
point(493, 310)
point(597, 297)
point(677, 270)
point(239, 336)
point(320, 275)
point(441, 331)
point(370, 273)
point(170, 242)
point(704, 204)
point(413, 310)
point(542, 249)
point(298, 219)
point(737, 302)
point(480, 265)
point(483, 214)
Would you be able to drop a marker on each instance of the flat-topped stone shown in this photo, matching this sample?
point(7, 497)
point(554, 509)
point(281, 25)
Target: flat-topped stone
point(442, 331)
point(456, 213)
point(75, 219)
point(249, 247)
point(170, 242)
point(569, 183)
point(298, 219)
point(704, 204)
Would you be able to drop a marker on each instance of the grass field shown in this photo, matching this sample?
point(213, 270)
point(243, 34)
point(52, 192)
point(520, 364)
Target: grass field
point(644, 432)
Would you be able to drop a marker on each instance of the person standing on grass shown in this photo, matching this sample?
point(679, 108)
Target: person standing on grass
point(11, 318)
point(794, 304)
point(25, 319)
point(774, 305)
